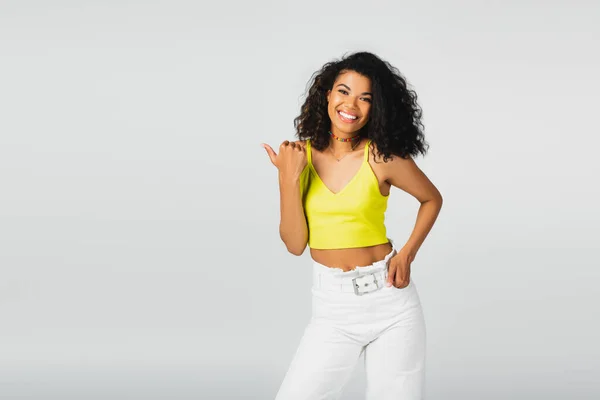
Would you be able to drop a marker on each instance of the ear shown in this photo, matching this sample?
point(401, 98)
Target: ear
point(327, 95)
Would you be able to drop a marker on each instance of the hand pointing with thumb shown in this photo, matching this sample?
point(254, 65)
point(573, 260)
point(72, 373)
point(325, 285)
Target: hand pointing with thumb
point(291, 159)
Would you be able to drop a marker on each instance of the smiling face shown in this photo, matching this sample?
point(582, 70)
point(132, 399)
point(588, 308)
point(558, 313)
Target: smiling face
point(349, 103)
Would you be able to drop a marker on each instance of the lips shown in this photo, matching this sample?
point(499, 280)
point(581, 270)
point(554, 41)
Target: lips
point(345, 119)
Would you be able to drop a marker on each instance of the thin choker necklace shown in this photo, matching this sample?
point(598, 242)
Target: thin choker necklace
point(353, 138)
point(354, 145)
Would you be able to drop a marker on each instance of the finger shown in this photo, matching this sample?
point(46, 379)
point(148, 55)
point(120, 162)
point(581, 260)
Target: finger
point(270, 152)
point(391, 275)
point(400, 281)
point(403, 284)
point(402, 278)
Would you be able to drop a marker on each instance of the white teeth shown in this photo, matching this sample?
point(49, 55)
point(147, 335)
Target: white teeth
point(347, 115)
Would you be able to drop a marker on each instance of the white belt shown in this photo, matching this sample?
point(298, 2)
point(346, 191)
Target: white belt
point(364, 283)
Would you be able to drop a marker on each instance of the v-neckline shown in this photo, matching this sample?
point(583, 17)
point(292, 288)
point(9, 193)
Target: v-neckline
point(312, 167)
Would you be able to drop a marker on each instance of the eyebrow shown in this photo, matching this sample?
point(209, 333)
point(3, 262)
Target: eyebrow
point(341, 84)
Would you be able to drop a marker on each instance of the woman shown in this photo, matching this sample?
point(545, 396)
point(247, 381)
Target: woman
point(359, 128)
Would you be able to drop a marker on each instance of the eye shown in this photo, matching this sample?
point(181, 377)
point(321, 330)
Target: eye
point(342, 91)
point(368, 99)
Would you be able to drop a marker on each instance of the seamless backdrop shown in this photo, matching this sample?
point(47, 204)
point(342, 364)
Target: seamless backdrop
point(139, 247)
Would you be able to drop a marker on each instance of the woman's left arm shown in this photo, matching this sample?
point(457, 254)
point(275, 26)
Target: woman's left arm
point(406, 175)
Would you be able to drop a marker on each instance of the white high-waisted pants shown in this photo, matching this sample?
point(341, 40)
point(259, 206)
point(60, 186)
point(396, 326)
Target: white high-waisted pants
point(386, 326)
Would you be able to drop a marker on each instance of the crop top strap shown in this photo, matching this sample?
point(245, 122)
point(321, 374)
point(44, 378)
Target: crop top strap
point(308, 152)
point(367, 150)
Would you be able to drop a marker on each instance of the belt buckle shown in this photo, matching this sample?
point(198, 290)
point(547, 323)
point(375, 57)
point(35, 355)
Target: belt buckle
point(364, 281)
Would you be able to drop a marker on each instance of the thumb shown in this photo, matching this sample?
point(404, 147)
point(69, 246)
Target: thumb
point(270, 152)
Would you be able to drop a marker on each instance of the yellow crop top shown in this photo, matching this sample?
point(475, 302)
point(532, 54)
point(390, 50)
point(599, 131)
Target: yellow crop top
point(352, 217)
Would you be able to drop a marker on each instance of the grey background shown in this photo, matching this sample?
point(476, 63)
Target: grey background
point(139, 247)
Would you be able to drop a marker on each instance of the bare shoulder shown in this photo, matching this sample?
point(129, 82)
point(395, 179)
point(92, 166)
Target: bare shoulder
point(394, 167)
point(394, 159)
point(374, 150)
point(405, 174)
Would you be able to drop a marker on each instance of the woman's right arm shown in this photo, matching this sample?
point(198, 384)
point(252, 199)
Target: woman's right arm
point(290, 163)
point(293, 229)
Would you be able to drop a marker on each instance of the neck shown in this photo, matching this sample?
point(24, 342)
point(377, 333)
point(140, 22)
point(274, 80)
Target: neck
point(351, 141)
point(343, 147)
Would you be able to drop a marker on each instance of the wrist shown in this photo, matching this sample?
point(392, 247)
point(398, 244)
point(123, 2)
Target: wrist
point(410, 250)
point(288, 179)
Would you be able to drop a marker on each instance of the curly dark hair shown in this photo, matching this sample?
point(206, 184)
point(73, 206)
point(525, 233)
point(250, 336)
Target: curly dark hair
point(394, 123)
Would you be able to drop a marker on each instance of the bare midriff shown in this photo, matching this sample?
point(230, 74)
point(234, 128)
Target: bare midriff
point(349, 259)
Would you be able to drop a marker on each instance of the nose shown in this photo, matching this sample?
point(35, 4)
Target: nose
point(350, 106)
point(351, 101)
